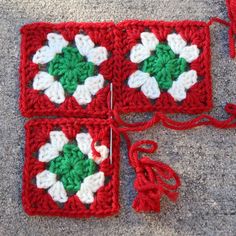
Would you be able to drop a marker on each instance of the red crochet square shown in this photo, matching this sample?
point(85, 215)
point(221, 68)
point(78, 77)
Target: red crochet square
point(63, 175)
point(163, 66)
point(51, 48)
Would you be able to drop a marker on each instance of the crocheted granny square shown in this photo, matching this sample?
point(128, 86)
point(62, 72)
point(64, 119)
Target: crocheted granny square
point(163, 66)
point(66, 68)
point(64, 175)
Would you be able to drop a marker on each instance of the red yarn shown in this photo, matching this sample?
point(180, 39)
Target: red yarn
point(231, 109)
point(152, 178)
point(37, 201)
point(231, 5)
point(33, 102)
point(199, 96)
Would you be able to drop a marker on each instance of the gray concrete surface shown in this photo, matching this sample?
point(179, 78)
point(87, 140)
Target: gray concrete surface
point(204, 157)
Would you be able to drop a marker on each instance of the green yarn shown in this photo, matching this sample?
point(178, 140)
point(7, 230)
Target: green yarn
point(71, 68)
point(72, 167)
point(164, 65)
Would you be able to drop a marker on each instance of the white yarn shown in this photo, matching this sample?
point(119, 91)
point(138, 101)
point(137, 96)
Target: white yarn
point(94, 83)
point(150, 88)
point(48, 152)
point(149, 40)
point(82, 95)
point(190, 53)
point(89, 186)
point(188, 79)
point(95, 181)
point(184, 82)
point(85, 194)
point(149, 85)
point(176, 42)
point(83, 43)
point(42, 80)
point(53, 89)
point(56, 42)
point(104, 152)
point(137, 79)
point(97, 55)
point(139, 53)
point(58, 192)
point(177, 91)
point(51, 150)
point(45, 54)
point(84, 141)
point(58, 139)
point(55, 93)
point(87, 48)
point(178, 46)
point(45, 179)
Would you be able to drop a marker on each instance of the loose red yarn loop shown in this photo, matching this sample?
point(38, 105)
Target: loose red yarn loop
point(94, 151)
point(231, 6)
point(154, 178)
point(231, 109)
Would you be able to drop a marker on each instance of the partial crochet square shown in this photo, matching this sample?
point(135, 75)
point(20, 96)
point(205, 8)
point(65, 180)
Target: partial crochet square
point(63, 175)
point(163, 66)
point(66, 69)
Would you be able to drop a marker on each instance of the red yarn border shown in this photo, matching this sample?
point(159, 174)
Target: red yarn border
point(199, 97)
point(38, 201)
point(35, 103)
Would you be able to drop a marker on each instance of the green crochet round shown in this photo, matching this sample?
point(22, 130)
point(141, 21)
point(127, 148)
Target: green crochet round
point(164, 65)
point(72, 167)
point(71, 68)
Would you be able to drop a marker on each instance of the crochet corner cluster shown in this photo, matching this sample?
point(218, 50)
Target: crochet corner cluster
point(90, 73)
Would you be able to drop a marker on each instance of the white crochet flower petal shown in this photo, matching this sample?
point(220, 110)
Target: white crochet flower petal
point(55, 93)
point(85, 195)
point(149, 40)
point(43, 55)
point(150, 88)
point(104, 152)
point(190, 53)
point(94, 83)
point(47, 152)
point(95, 181)
point(58, 139)
point(56, 42)
point(139, 53)
point(45, 179)
point(188, 79)
point(82, 95)
point(42, 80)
point(90, 185)
point(84, 141)
point(83, 43)
point(58, 192)
point(177, 91)
point(137, 79)
point(176, 42)
point(97, 55)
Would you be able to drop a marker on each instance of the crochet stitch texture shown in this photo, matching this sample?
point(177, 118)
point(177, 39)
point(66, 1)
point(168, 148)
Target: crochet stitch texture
point(71, 65)
point(93, 72)
point(62, 175)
